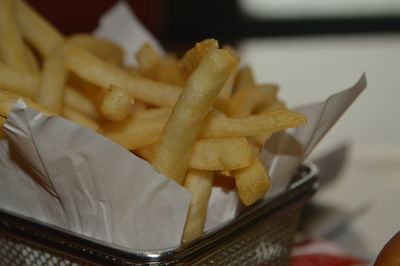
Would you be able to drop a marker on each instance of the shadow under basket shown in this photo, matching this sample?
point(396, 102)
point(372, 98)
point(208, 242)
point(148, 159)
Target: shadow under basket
point(262, 235)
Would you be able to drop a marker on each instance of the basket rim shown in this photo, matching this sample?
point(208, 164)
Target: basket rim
point(62, 240)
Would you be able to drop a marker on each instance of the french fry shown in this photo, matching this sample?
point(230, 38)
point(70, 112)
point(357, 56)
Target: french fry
point(80, 119)
point(166, 69)
point(260, 140)
point(220, 154)
point(139, 130)
point(227, 90)
point(244, 79)
point(147, 152)
point(8, 99)
point(52, 80)
point(12, 48)
point(246, 100)
point(184, 124)
point(2, 122)
point(116, 104)
point(25, 84)
point(95, 70)
point(133, 71)
point(36, 29)
point(252, 182)
point(211, 154)
point(104, 49)
point(76, 100)
point(193, 57)
point(31, 59)
point(217, 125)
point(200, 184)
point(146, 57)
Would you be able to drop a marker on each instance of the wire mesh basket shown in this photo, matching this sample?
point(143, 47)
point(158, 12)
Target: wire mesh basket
point(263, 235)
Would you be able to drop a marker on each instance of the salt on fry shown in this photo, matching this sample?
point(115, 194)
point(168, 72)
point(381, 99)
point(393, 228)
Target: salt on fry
point(184, 123)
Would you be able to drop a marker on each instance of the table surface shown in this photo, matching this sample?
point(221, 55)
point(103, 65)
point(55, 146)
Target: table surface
point(309, 69)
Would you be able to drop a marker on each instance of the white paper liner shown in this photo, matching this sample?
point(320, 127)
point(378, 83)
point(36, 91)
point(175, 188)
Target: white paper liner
point(104, 191)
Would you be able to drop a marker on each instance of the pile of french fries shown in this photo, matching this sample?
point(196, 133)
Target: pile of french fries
point(200, 119)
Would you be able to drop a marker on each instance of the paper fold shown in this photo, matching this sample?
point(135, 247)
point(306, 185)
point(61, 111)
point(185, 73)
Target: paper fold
point(104, 191)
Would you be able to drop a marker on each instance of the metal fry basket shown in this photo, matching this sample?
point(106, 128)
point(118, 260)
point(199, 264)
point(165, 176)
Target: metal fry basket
point(263, 235)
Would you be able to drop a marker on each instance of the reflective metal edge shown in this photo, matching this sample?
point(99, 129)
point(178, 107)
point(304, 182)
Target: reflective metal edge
point(86, 249)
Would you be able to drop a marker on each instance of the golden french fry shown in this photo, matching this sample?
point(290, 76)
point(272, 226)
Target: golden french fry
point(80, 119)
point(147, 152)
point(116, 104)
point(8, 99)
point(217, 125)
point(138, 130)
point(133, 71)
point(200, 184)
point(232, 50)
point(193, 57)
point(252, 182)
point(246, 100)
point(106, 50)
point(147, 56)
point(36, 29)
point(260, 140)
point(52, 80)
point(244, 79)
point(95, 70)
point(76, 100)
point(220, 154)
point(211, 154)
point(31, 59)
point(2, 122)
point(227, 90)
point(166, 69)
point(184, 123)
point(12, 48)
point(25, 84)
point(130, 135)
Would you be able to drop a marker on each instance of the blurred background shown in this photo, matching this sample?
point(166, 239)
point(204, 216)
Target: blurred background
point(312, 49)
